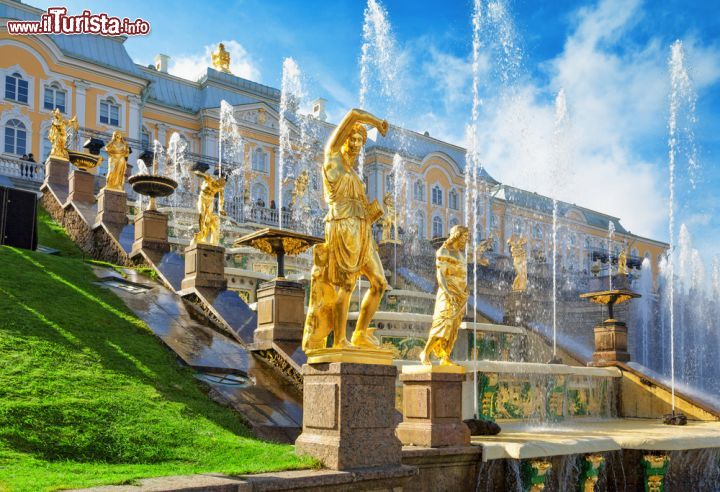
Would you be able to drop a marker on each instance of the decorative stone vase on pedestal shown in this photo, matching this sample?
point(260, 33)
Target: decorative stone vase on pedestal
point(348, 415)
point(204, 267)
point(112, 207)
point(150, 232)
point(432, 407)
point(56, 171)
point(281, 312)
point(81, 187)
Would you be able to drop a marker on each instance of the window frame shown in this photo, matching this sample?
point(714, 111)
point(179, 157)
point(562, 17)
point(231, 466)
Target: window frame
point(110, 103)
point(56, 90)
point(17, 77)
point(17, 127)
point(436, 197)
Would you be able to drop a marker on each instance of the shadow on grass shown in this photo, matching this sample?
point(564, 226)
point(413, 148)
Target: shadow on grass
point(110, 391)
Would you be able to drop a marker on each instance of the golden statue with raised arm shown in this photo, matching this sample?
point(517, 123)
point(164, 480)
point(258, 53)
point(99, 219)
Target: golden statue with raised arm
point(118, 151)
point(389, 222)
point(209, 232)
point(221, 59)
point(451, 298)
point(58, 134)
point(622, 260)
point(349, 244)
point(519, 256)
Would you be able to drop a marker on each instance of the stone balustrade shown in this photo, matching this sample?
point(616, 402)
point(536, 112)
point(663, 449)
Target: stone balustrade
point(19, 169)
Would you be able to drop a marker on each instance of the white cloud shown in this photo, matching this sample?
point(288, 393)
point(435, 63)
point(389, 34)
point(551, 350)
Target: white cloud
point(617, 97)
point(192, 67)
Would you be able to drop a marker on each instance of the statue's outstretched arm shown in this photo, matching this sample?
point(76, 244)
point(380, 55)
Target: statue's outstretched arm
point(342, 131)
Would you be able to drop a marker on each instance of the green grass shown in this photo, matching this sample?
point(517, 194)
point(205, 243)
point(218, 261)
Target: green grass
point(52, 235)
point(88, 396)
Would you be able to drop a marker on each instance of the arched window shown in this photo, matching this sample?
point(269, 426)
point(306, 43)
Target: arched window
point(109, 112)
point(259, 160)
point(437, 195)
point(437, 227)
point(453, 199)
point(54, 97)
point(259, 195)
point(419, 191)
point(517, 226)
point(46, 147)
point(389, 183)
point(15, 137)
point(537, 231)
point(420, 219)
point(16, 88)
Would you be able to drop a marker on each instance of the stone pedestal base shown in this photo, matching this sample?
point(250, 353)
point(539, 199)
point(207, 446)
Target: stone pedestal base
point(81, 187)
point(281, 312)
point(150, 232)
point(112, 207)
point(348, 415)
point(204, 267)
point(56, 171)
point(518, 308)
point(610, 343)
point(432, 409)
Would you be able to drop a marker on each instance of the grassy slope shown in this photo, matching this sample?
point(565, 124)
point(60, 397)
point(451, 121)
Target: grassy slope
point(88, 396)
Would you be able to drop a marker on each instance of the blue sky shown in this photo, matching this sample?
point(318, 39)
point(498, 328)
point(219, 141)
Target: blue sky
point(610, 57)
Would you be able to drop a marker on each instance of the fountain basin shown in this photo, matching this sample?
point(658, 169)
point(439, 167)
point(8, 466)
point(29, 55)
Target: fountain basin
point(279, 242)
point(84, 160)
point(152, 185)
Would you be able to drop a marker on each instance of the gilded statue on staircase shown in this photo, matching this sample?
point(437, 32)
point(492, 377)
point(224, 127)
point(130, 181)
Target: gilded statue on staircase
point(349, 249)
point(118, 151)
point(622, 261)
point(451, 298)
point(389, 222)
point(209, 231)
point(519, 256)
point(58, 134)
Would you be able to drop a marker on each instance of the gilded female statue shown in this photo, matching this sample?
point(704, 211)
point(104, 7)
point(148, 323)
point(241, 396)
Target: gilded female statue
point(622, 261)
point(209, 232)
point(519, 256)
point(58, 134)
point(389, 223)
point(118, 151)
point(451, 298)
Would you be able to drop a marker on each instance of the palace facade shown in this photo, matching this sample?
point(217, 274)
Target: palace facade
point(94, 78)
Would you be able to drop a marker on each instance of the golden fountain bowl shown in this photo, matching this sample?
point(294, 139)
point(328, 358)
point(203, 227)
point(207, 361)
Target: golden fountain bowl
point(84, 160)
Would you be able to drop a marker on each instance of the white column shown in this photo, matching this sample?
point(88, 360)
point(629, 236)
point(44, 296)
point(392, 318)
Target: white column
point(80, 101)
point(134, 116)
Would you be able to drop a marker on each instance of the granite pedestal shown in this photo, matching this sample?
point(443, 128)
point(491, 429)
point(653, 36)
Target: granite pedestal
point(112, 207)
point(56, 171)
point(81, 187)
point(150, 232)
point(281, 312)
point(611, 342)
point(432, 409)
point(204, 267)
point(349, 415)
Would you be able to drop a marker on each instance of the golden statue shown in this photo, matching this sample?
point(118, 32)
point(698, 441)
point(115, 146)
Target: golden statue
point(58, 134)
point(118, 151)
point(209, 232)
point(622, 261)
point(300, 188)
point(482, 248)
point(519, 256)
point(389, 222)
point(349, 245)
point(221, 59)
point(451, 298)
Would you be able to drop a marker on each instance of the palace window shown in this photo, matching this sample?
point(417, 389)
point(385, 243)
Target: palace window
point(145, 139)
point(259, 195)
point(16, 88)
point(437, 195)
point(537, 232)
point(419, 191)
point(420, 219)
point(54, 98)
point(15, 137)
point(437, 227)
point(389, 183)
point(259, 160)
point(517, 226)
point(494, 221)
point(46, 147)
point(453, 199)
point(110, 112)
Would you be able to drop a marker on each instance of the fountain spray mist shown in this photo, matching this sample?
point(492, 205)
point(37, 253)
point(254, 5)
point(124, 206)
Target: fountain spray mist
point(290, 95)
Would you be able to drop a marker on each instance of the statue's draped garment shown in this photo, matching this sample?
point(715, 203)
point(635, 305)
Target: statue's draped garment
point(449, 306)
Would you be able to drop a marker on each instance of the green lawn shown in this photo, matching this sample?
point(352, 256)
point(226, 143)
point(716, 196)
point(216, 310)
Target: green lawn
point(88, 396)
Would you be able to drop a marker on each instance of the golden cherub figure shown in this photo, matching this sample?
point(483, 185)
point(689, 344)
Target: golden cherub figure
point(209, 231)
point(350, 247)
point(389, 222)
point(118, 151)
point(622, 261)
point(58, 134)
point(519, 256)
point(451, 298)
point(221, 59)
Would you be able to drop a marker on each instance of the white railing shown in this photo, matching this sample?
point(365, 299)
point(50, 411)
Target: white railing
point(17, 168)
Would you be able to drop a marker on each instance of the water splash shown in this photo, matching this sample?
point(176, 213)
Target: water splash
point(643, 310)
point(611, 238)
